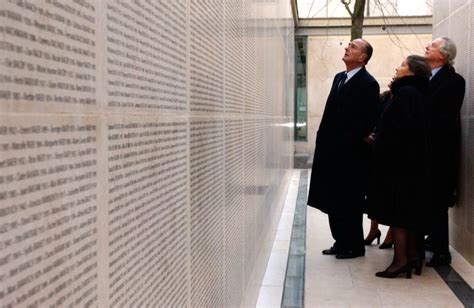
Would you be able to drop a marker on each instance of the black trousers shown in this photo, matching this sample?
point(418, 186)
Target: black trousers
point(439, 232)
point(347, 231)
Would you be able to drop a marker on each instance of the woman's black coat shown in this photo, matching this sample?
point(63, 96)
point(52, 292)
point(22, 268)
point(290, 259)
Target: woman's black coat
point(399, 171)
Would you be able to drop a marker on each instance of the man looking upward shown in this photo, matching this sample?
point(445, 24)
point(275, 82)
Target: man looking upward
point(339, 177)
point(447, 89)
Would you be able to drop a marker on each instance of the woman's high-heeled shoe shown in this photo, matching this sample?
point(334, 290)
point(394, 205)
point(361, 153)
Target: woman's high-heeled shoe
point(386, 246)
point(417, 265)
point(377, 236)
point(406, 269)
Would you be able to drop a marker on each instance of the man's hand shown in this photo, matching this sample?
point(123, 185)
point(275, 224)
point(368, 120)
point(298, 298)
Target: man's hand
point(369, 139)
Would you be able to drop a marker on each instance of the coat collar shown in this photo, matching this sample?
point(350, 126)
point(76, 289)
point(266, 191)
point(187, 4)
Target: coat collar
point(441, 75)
point(422, 84)
point(355, 77)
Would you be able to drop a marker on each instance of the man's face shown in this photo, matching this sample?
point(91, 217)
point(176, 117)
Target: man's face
point(432, 52)
point(354, 52)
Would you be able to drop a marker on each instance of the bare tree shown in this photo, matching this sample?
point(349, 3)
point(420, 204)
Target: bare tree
point(357, 17)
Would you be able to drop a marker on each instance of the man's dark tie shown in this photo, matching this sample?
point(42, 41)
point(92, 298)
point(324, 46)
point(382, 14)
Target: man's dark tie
point(341, 83)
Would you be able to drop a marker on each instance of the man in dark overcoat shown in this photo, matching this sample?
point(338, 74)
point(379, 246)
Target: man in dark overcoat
point(339, 176)
point(447, 88)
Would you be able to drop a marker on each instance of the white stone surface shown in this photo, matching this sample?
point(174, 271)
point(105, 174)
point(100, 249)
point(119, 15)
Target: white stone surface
point(330, 282)
point(144, 149)
point(454, 19)
point(271, 289)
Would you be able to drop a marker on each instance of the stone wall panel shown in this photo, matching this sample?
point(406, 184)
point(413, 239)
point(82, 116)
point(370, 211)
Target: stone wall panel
point(142, 150)
point(458, 25)
point(147, 211)
point(49, 56)
point(49, 196)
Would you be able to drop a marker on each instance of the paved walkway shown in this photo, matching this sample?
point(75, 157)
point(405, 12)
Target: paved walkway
point(351, 283)
point(329, 282)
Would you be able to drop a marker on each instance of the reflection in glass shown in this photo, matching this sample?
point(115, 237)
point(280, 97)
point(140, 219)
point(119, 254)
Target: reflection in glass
point(300, 89)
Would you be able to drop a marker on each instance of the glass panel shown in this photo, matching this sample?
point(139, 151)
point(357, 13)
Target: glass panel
point(374, 8)
point(300, 89)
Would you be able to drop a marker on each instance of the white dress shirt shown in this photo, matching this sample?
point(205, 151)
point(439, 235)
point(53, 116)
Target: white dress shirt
point(435, 71)
point(351, 73)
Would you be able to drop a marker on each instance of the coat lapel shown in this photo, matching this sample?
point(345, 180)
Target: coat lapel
point(353, 78)
point(338, 81)
point(338, 78)
point(439, 77)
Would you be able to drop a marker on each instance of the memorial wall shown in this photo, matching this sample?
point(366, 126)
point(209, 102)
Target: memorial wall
point(455, 18)
point(144, 148)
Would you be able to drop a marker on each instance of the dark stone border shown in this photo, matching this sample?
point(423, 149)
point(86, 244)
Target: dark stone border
point(293, 289)
point(457, 284)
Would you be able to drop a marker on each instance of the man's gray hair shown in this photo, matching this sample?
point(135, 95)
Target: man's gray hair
point(448, 49)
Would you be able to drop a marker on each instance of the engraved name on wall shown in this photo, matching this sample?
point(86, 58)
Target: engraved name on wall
point(250, 195)
point(48, 54)
point(233, 53)
point(234, 197)
point(146, 54)
point(147, 208)
point(207, 212)
point(49, 186)
point(206, 56)
point(166, 199)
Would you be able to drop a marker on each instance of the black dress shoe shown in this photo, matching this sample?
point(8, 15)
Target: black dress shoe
point(403, 270)
point(439, 260)
point(386, 246)
point(417, 265)
point(330, 251)
point(368, 241)
point(350, 254)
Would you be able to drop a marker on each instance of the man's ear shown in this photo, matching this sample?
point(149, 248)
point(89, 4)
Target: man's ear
point(363, 57)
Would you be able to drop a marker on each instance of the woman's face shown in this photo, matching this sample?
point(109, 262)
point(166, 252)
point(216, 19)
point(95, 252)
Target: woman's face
point(402, 70)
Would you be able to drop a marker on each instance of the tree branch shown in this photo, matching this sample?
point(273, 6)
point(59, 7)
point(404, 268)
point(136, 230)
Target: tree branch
point(346, 4)
point(358, 19)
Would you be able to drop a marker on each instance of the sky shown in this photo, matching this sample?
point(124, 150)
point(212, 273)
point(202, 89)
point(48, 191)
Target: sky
point(334, 8)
